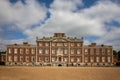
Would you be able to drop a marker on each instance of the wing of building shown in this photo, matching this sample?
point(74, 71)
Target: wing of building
point(59, 50)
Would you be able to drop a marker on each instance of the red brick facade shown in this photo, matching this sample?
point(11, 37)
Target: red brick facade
point(59, 50)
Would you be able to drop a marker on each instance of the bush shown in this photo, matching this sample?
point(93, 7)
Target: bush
point(118, 64)
point(2, 63)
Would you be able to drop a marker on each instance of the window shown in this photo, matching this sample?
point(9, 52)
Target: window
point(97, 59)
point(15, 58)
point(9, 58)
point(33, 59)
point(97, 51)
point(21, 58)
point(86, 59)
point(46, 59)
point(65, 44)
point(15, 51)
point(40, 59)
point(40, 44)
point(108, 51)
point(33, 51)
point(72, 59)
point(65, 59)
point(40, 51)
point(59, 51)
point(53, 51)
point(53, 59)
point(53, 44)
point(109, 59)
point(46, 51)
point(9, 50)
point(78, 60)
point(86, 51)
point(27, 59)
point(103, 51)
point(91, 51)
point(78, 44)
point(91, 59)
point(59, 44)
point(27, 51)
point(103, 59)
point(72, 51)
point(72, 44)
point(65, 51)
point(78, 51)
point(21, 51)
point(46, 44)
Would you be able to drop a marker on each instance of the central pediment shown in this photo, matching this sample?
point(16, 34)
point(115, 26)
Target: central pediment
point(59, 40)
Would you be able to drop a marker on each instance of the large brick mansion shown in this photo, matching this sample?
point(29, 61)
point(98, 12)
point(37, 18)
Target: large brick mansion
point(59, 50)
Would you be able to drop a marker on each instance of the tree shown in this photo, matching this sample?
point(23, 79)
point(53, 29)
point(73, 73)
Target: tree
point(115, 53)
point(118, 55)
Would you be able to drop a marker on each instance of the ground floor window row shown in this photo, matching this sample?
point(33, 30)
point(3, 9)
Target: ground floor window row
point(58, 59)
point(59, 64)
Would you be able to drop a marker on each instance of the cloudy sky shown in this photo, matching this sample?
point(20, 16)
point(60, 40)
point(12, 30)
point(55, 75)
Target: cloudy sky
point(95, 20)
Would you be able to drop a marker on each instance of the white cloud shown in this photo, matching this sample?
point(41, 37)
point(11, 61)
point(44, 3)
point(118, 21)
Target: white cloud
point(65, 17)
point(23, 15)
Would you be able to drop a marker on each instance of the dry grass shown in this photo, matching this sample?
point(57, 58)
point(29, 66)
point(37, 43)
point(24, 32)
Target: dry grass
point(59, 73)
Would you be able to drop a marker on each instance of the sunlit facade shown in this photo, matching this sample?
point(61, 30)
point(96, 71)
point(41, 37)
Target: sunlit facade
point(59, 50)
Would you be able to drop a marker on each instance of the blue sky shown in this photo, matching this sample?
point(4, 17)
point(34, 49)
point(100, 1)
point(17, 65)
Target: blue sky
point(95, 20)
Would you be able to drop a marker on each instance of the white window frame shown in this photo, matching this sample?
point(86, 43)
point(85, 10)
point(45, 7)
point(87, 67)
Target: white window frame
point(33, 58)
point(21, 58)
point(53, 44)
point(21, 51)
point(109, 59)
point(27, 50)
point(91, 59)
point(86, 51)
point(65, 51)
point(97, 51)
point(33, 50)
point(72, 44)
point(72, 59)
point(53, 59)
point(9, 58)
point(15, 50)
point(40, 59)
point(97, 59)
point(78, 59)
point(65, 44)
point(46, 51)
point(27, 58)
point(40, 44)
point(72, 51)
point(65, 59)
point(86, 59)
point(103, 59)
point(46, 59)
point(9, 50)
point(53, 51)
point(78, 51)
point(91, 51)
point(15, 58)
point(47, 44)
point(108, 51)
point(40, 51)
point(78, 44)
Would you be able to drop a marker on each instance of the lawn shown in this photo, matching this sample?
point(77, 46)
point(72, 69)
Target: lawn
point(59, 73)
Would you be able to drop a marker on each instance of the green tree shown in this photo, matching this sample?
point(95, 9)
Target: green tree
point(115, 53)
point(118, 55)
